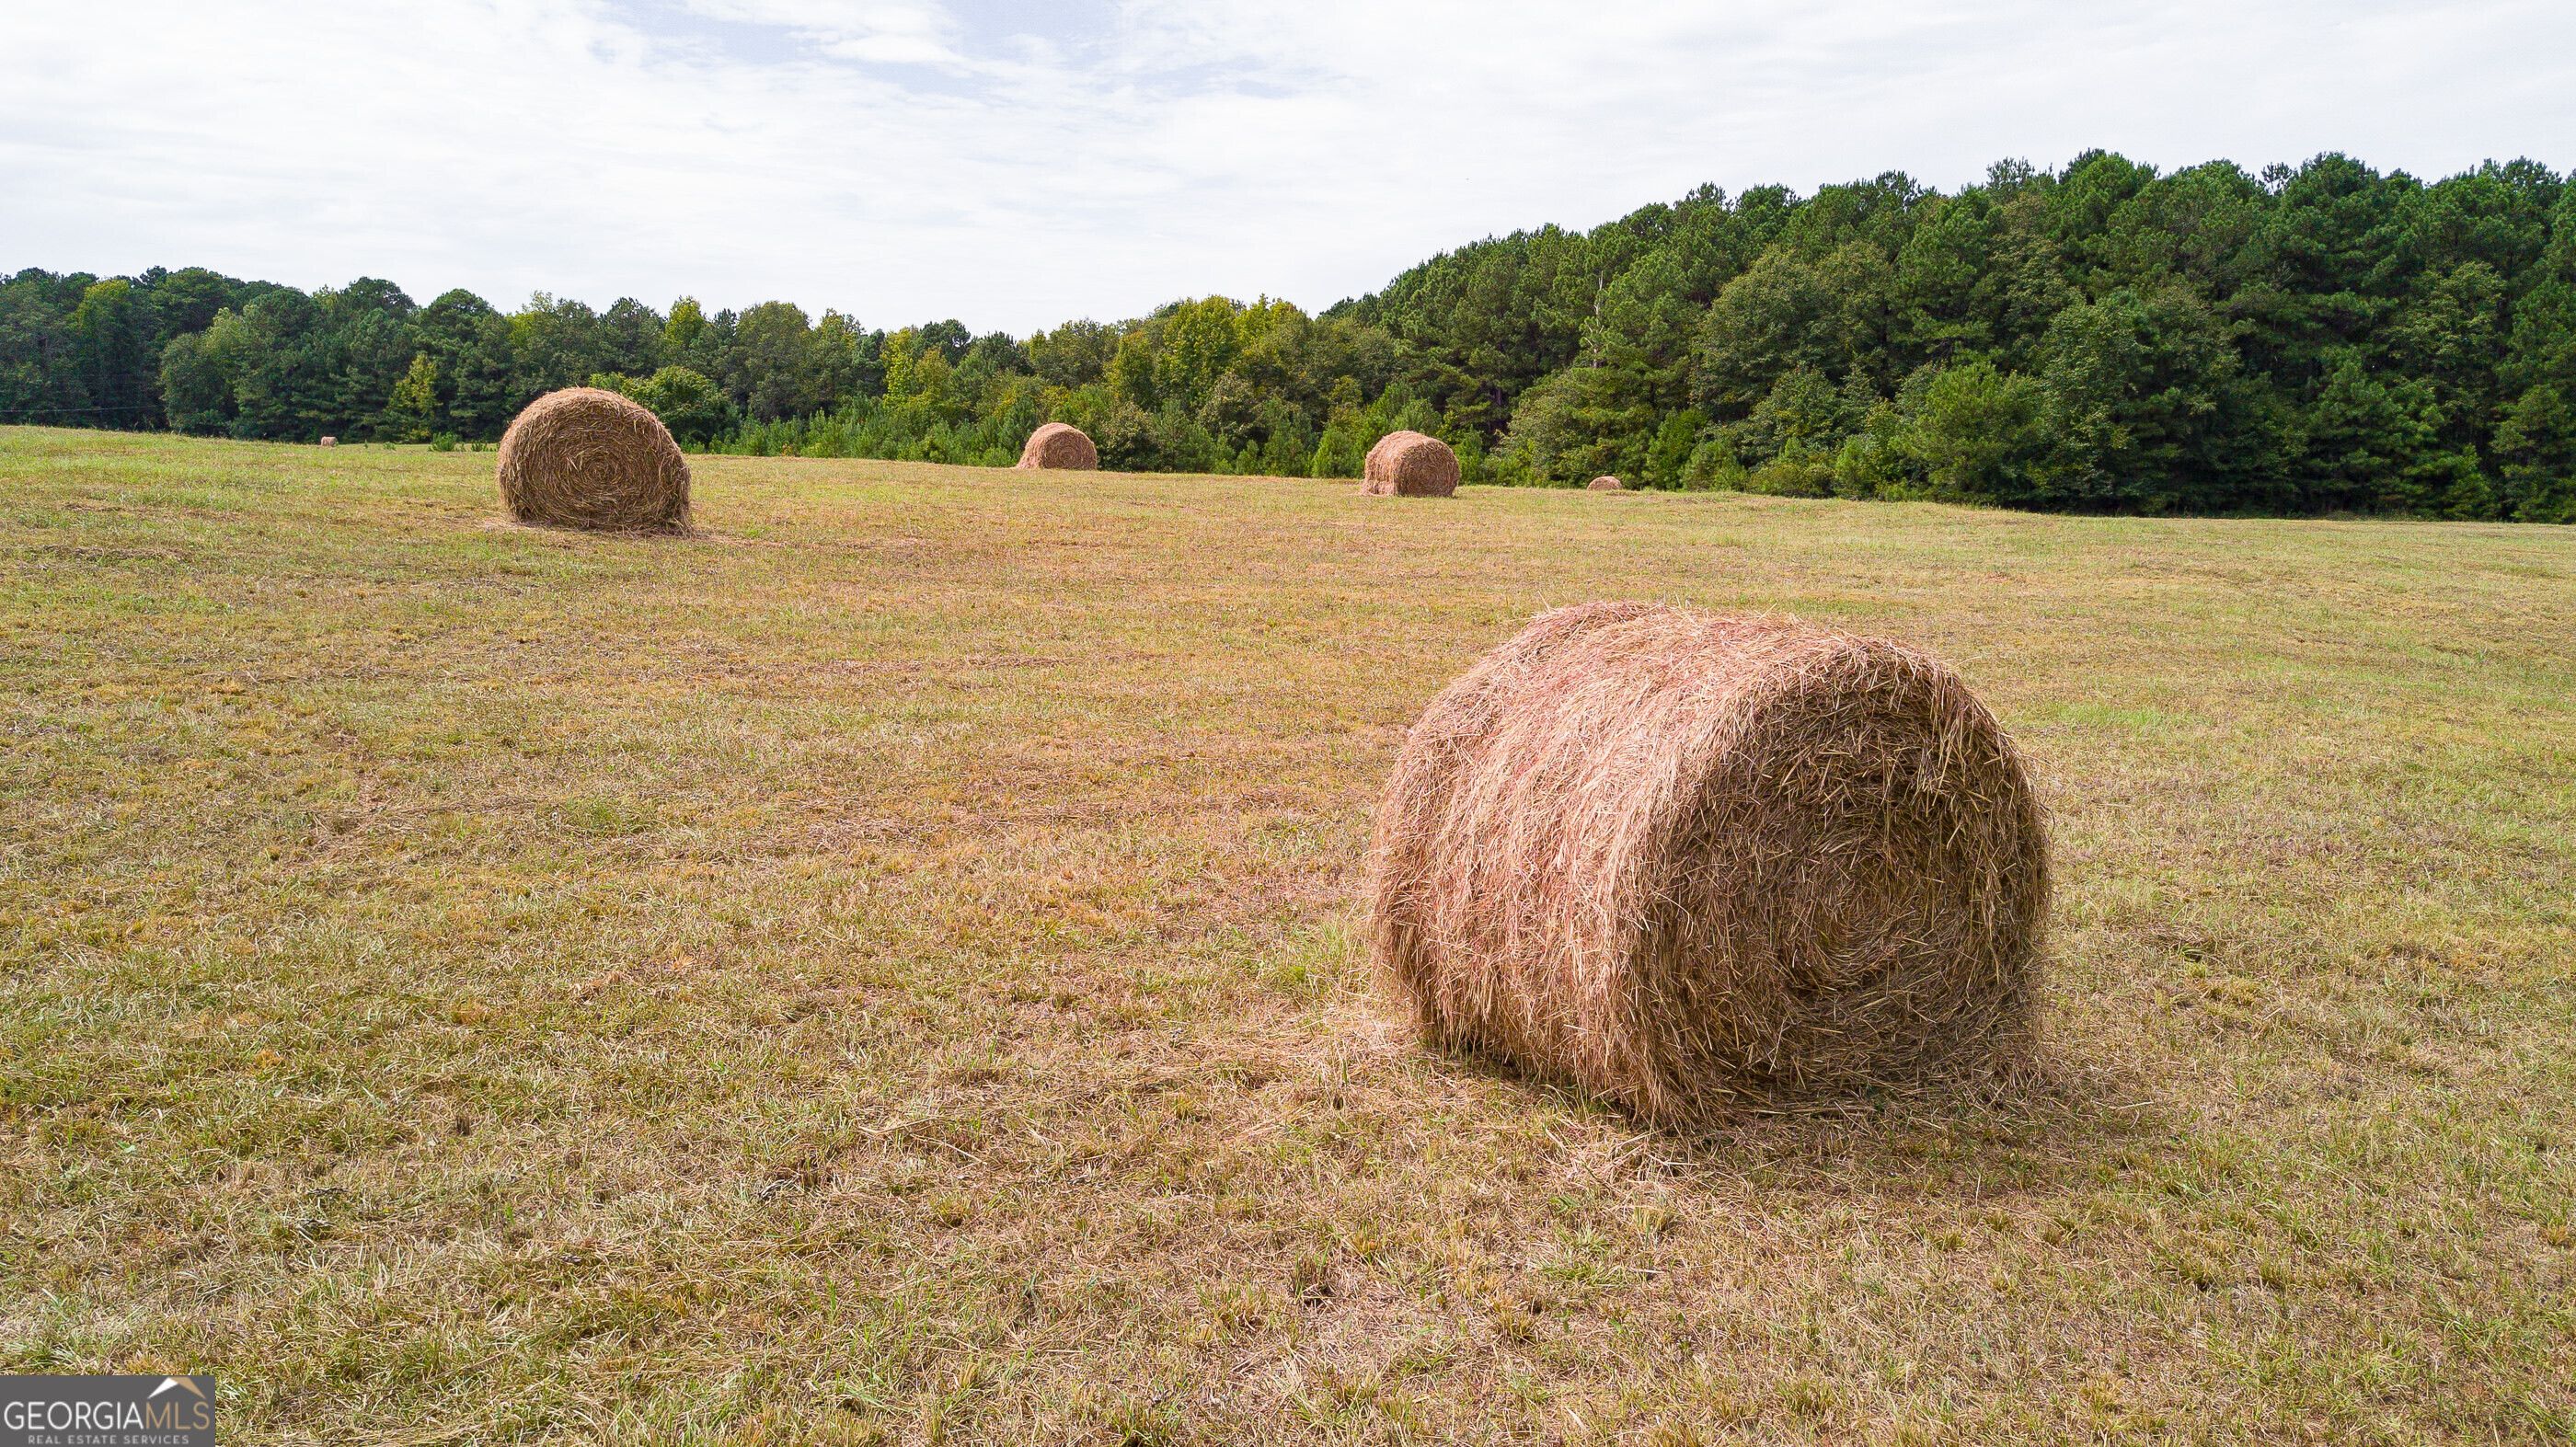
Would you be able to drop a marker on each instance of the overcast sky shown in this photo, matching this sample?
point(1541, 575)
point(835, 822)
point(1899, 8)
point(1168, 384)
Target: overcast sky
point(1014, 164)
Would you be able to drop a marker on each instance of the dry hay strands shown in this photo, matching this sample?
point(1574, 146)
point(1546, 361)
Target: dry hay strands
point(1707, 865)
point(1409, 464)
point(1060, 445)
point(1606, 484)
point(588, 458)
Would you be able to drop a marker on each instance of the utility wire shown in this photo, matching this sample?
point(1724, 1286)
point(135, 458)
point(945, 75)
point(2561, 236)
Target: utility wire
point(58, 411)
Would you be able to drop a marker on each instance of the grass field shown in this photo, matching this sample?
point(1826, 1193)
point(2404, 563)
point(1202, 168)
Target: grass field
point(886, 970)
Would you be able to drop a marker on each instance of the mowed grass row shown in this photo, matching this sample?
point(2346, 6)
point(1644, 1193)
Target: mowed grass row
point(888, 969)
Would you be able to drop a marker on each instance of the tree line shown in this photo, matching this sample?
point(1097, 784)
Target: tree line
point(2101, 337)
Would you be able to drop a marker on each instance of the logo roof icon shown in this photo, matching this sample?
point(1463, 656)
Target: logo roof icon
point(168, 1382)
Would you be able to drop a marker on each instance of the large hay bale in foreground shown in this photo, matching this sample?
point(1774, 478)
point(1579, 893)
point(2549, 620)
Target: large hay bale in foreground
point(1410, 464)
point(588, 458)
point(1698, 863)
point(1060, 445)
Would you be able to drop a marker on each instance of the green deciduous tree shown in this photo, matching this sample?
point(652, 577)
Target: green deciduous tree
point(412, 410)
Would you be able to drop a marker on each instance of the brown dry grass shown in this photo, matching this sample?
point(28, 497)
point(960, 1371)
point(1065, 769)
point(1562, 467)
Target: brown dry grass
point(1706, 864)
point(886, 971)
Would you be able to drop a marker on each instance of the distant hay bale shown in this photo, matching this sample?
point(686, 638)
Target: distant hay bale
point(1699, 863)
point(1060, 445)
point(330, 441)
point(588, 458)
point(1409, 464)
point(1607, 484)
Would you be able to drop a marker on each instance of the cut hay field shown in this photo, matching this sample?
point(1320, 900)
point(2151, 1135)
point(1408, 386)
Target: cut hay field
point(886, 970)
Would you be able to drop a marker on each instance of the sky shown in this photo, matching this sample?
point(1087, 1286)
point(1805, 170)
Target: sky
point(1015, 164)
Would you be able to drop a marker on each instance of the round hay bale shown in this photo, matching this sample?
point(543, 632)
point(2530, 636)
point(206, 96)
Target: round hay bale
point(1607, 484)
point(330, 441)
point(589, 458)
point(1060, 445)
point(1699, 863)
point(1409, 464)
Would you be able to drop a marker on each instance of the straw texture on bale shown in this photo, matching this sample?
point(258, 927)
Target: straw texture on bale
point(1409, 464)
point(1060, 445)
point(588, 458)
point(1607, 484)
point(1703, 864)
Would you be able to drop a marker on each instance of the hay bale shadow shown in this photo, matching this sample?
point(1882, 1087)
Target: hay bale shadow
point(2040, 1127)
point(684, 532)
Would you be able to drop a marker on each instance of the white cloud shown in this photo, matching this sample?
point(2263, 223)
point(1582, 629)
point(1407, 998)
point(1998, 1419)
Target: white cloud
point(1015, 164)
point(891, 34)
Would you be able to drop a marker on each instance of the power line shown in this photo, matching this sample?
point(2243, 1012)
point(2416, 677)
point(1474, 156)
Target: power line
point(57, 411)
